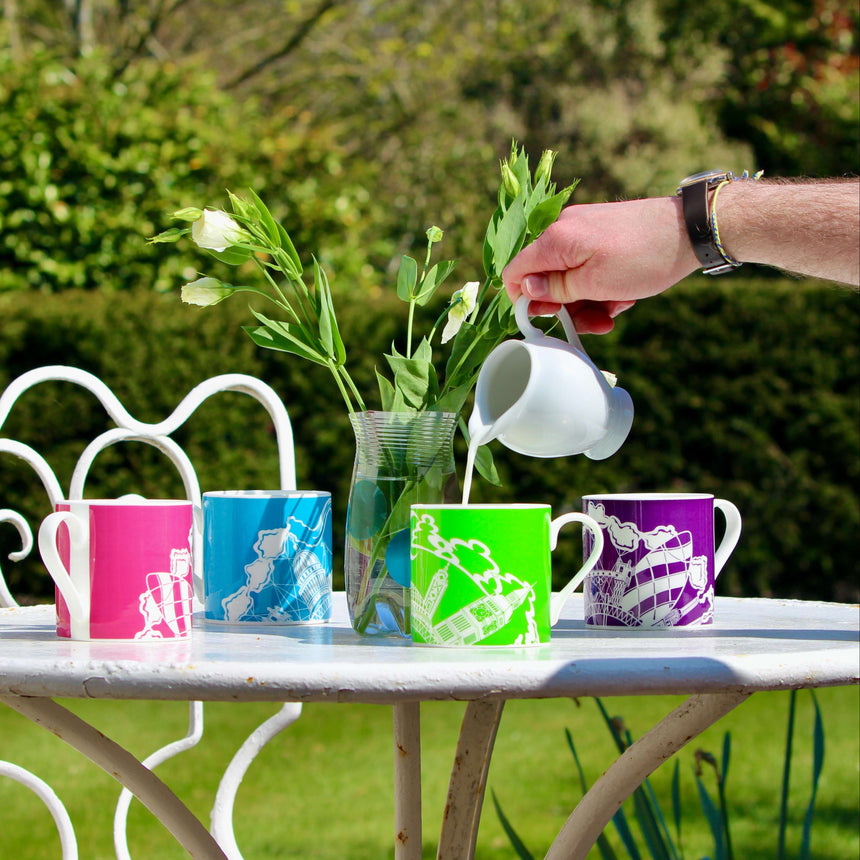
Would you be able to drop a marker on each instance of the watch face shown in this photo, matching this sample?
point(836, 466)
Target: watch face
point(708, 175)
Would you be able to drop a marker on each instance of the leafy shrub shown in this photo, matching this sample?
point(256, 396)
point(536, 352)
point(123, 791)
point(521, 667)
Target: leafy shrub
point(94, 163)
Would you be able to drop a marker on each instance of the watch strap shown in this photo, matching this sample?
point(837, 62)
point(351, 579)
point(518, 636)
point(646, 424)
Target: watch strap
point(694, 199)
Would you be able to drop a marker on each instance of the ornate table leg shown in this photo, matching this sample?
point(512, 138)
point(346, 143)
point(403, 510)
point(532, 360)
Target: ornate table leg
point(407, 780)
point(630, 770)
point(469, 779)
point(124, 767)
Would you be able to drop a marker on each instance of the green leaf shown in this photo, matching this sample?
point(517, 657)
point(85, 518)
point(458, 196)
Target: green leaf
point(676, 799)
point(468, 350)
point(432, 281)
point(817, 765)
point(517, 843)
point(329, 331)
point(546, 212)
point(294, 270)
point(386, 393)
point(715, 821)
point(265, 218)
point(489, 243)
point(233, 256)
point(407, 277)
point(538, 195)
point(452, 401)
point(727, 754)
point(266, 338)
point(285, 337)
point(486, 466)
point(423, 352)
point(782, 826)
point(414, 378)
point(510, 235)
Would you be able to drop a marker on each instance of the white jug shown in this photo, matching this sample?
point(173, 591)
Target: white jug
point(545, 398)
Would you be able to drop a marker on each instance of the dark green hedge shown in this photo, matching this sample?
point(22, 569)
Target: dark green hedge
point(744, 388)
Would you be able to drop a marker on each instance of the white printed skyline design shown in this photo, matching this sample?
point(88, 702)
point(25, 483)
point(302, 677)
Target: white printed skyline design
point(501, 593)
point(302, 589)
point(655, 580)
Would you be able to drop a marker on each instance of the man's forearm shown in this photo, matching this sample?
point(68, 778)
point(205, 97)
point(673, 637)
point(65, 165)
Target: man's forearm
point(806, 227)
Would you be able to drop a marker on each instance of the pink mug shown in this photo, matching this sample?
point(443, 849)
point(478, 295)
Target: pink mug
point(122, 568)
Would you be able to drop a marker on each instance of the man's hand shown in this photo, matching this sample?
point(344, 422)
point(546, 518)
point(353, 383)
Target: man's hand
point(598, 259)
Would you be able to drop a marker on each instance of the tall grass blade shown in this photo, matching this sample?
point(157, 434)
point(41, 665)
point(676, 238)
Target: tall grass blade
point(603, 844)
point(666, 835)
point(786, 773)
point(714, 819)
point(676, 806)
point(647, 811)
point(817, 765)
point(721, 784)
point(522, 852)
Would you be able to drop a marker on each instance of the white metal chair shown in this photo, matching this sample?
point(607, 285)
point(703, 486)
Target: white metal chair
point(129, 429)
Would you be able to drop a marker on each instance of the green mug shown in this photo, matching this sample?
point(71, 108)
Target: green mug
point(481, 574)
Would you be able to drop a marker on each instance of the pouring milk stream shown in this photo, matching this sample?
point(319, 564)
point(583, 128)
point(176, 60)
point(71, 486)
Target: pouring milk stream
point(544, 397)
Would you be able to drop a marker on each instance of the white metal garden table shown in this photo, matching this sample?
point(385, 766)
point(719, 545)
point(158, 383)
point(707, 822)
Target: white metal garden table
point(754, 645)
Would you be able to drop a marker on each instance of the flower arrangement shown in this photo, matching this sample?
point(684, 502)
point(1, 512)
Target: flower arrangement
point(477, 318)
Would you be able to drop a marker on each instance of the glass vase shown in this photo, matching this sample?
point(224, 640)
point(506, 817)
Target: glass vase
point(401, 458)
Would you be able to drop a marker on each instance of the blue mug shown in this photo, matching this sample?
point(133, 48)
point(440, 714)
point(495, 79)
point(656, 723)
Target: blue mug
point(267, 556)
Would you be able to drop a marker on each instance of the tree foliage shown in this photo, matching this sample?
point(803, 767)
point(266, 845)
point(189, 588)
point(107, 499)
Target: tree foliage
point(791, 80)
point(367, 121)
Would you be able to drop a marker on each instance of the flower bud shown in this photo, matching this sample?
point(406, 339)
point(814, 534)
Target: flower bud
point(190, 213)
point(215, 230)
point(205, 292)
point(544, 168)
point(509, 181)
point(434, 234)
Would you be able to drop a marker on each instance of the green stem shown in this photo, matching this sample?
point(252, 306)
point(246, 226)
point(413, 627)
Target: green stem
point(338, 378)
point(284, 301)
point(344, 373)
point(409, 328)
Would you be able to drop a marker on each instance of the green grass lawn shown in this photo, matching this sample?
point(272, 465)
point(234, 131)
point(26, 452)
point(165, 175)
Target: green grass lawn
point(323, 788)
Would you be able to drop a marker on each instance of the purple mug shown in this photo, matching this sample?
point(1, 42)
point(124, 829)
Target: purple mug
point(658, 564)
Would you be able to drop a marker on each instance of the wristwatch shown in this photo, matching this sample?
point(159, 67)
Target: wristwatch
point(693, 192)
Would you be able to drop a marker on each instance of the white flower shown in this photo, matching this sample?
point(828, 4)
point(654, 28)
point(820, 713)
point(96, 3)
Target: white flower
point(611, 378)
point(462, 304)
point(204, 292)
point(216, 230)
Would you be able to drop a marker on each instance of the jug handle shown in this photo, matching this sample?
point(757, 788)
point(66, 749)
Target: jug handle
point(532, 332)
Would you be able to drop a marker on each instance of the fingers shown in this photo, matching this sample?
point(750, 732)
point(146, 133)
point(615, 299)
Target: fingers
point(588, 317)
point(597, 317)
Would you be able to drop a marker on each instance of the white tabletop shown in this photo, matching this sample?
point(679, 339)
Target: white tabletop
point(754, 644)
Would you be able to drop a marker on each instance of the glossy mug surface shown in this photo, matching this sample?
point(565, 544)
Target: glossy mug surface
point(267, 556)
point(122, 568)
point(481, 574)
point(658, 564)
point(543, 396)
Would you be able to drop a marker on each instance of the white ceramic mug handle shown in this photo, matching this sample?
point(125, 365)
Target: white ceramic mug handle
point(730, 538)
point(532, 332)
point(197, 554)
point(558, 600)
point(78, 605)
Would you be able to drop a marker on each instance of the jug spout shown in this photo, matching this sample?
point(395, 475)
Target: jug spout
point(618, 426)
